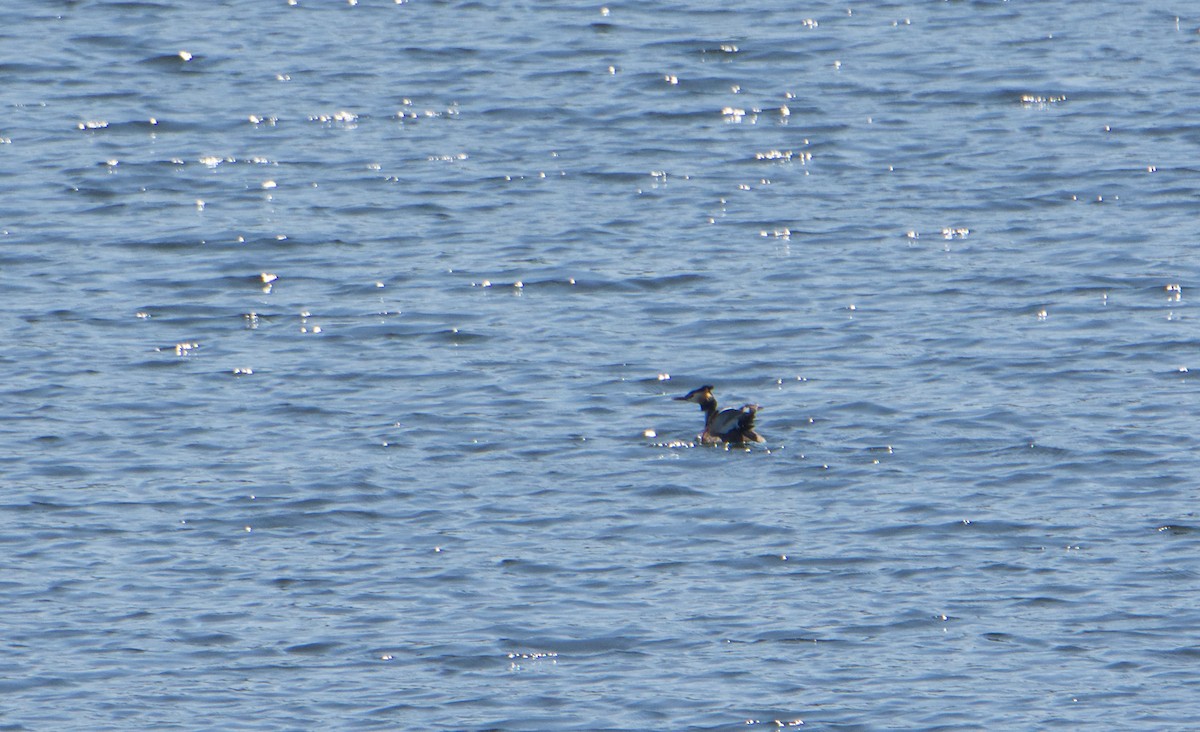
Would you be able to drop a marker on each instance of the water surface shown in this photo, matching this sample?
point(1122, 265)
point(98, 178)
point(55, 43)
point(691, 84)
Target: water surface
point(340, 338)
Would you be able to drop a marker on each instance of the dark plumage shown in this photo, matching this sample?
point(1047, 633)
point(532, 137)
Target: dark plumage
point(735, 426)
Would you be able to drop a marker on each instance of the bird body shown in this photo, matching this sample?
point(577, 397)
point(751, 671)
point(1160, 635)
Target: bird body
point(734, 426)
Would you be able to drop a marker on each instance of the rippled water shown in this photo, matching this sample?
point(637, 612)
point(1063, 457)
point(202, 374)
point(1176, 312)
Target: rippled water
point(339, 341)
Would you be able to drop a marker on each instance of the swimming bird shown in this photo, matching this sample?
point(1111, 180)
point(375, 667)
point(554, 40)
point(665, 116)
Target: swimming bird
point(734, 426)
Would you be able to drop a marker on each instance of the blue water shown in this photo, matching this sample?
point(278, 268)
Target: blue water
point(339, 343)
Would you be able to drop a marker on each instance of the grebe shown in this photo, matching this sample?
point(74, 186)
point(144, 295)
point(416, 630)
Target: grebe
point(729, 425)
